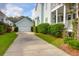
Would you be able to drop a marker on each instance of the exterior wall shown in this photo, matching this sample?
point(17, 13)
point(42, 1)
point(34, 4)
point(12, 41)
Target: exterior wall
point(42, 12)
point(52, 9)
point(51, 14)
point(24, 25)
point(2, 17)
point(33, 14)
point(47, 13)
point(38, 13)
point(4, 20)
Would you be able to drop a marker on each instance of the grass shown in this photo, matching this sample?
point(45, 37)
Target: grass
point(5, 41)
point(51, 39)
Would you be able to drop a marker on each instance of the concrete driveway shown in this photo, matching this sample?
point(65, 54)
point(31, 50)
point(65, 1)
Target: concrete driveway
point(27, 44)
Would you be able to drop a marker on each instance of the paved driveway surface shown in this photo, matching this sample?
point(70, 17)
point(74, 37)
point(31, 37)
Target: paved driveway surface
point(27, 44)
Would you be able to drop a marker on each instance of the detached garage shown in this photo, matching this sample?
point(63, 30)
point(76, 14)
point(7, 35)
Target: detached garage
point(24, 25)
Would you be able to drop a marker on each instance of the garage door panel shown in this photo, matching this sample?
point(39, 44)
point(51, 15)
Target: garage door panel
point(24, 29)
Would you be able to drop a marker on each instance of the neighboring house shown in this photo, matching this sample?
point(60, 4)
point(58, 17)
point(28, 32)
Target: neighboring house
point(7, 21)
point(24, 25)
point(54, 13)
point(4, 19)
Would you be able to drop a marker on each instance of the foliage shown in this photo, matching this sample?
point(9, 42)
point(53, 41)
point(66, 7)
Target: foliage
point(71, 11)
point(16, 29)
point(9, 29)
point(31, 28)
point(56, 30)
point(67, 39)
point(35, 29)
point(42, 28)
point(74, 44)
point(75, 25)
point(2, 28)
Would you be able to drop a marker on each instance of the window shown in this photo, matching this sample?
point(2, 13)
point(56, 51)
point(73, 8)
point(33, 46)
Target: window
point(60, 18)
point(69, 17)
point(2, 20)
point(53, 19)
point(74, 16)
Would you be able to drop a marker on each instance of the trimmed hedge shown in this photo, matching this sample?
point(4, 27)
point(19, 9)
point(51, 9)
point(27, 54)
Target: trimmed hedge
point(42, 28)
point(56, 29)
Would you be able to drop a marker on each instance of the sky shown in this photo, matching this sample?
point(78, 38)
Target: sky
point(17, 9)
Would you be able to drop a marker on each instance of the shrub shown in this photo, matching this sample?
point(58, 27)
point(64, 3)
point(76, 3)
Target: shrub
point(43, 28)
point(74, 44)
point(31, 28)
point(56, 30)
point(67, 39)
point(2, 28)
point(9, 29)
point(16, 29)
point(35, 29)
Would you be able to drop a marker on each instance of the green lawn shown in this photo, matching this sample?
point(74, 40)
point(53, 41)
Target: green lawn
point(5, 41)
point(50, 39)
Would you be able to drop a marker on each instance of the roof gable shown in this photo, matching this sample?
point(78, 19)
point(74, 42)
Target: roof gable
point(24, 20)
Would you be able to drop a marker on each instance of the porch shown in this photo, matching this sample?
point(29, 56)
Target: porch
point(65, 14)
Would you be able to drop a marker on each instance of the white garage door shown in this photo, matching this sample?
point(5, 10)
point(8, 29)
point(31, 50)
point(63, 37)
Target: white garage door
point(24, 29)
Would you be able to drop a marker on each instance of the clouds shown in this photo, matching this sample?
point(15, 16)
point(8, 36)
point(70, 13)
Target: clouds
point(18, 9)
point(12, 10)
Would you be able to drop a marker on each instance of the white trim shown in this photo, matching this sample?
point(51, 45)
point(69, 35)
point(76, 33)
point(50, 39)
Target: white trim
point(58, 6)
point(64, 14)
point(56, 16)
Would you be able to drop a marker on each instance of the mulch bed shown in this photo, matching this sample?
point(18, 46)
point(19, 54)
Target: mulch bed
point(70, 50)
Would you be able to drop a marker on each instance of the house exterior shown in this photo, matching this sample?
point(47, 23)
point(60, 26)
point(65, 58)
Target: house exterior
point(54, 13)
point(38, 13)
point(5, 20)
point(2, 17)
point(24, 25)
